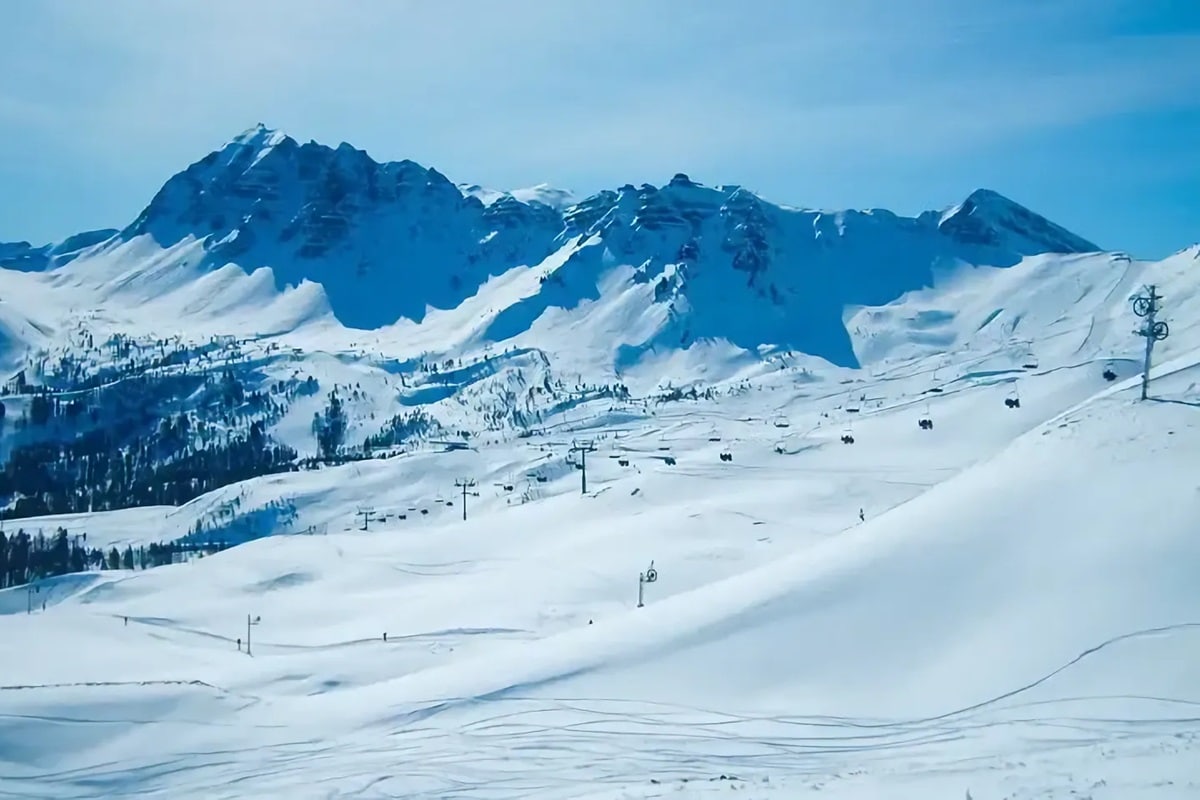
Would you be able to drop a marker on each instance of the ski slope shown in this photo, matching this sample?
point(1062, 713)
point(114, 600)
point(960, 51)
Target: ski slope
point(1016, 617)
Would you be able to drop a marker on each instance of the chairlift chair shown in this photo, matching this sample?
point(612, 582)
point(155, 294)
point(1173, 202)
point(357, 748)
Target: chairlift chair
point(1108, 373)
point(848, 435)
point(926, 421)
point(781, 422)
point(1014, 398)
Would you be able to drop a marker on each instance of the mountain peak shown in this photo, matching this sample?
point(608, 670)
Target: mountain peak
point(988, 218)
point(558, 199)
point(985, 195)
point(259, 136)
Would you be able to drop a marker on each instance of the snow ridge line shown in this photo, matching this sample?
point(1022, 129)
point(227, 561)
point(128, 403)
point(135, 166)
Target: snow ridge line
point(17, 687)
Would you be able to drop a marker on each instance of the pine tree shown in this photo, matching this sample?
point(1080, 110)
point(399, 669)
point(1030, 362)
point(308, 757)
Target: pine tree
point(60, 554)
point(78, 558)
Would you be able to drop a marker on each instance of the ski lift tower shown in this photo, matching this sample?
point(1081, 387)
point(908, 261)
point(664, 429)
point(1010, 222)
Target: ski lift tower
point(365, 512)
point(649, 576)
point(249, 624)
point(583, 449)
point(466, 485)
point(1153, 330)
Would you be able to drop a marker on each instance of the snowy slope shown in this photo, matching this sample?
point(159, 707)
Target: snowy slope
point(993, 626)
point(1072, 309)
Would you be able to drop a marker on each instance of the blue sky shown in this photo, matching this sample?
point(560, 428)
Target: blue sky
point(1087, 111)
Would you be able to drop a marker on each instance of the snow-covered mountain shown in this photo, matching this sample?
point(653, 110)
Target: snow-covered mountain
point(391, 241)
point(24, 256)
point(912, 534)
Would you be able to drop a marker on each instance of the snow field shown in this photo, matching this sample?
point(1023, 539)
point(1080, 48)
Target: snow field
point(1021, 594)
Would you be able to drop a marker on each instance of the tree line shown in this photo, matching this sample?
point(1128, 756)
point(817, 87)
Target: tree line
point(25, 558)
point(130, 456)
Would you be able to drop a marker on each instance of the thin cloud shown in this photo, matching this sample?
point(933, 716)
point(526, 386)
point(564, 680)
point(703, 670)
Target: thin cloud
point(806, 75)
point(586, 94)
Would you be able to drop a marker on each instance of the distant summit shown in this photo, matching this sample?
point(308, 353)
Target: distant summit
point(27, 258)
point(989, 218)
